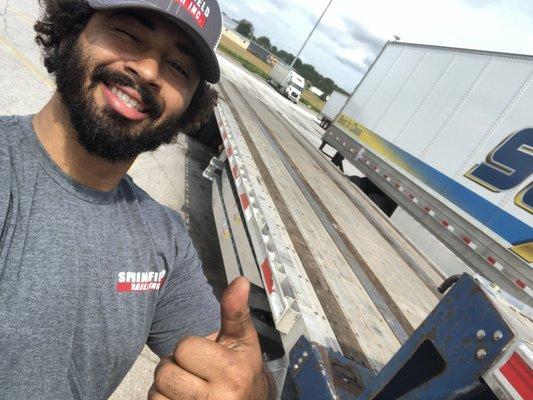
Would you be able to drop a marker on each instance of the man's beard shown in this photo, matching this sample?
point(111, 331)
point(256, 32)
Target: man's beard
point(105, 133)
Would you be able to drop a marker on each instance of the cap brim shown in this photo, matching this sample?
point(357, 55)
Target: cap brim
point(207, 59)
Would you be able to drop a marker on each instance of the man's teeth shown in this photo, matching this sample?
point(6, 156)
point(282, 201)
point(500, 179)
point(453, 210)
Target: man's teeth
point(131, 103)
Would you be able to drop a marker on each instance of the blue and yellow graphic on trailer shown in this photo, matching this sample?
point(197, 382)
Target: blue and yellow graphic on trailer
point(509, 164)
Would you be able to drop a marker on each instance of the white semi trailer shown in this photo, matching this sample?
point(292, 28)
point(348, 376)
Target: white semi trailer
point(447, 134)
point(345, 306)
point(331, 109)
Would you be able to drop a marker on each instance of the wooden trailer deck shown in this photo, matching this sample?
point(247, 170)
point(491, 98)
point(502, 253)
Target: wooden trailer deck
point(374, 286)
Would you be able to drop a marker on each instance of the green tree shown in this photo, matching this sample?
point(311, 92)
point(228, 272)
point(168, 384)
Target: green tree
point(283, 55)
point(264, 42)
point(245, 28)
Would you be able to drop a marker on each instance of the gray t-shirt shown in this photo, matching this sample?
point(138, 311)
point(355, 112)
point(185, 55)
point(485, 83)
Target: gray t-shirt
point(87, 278)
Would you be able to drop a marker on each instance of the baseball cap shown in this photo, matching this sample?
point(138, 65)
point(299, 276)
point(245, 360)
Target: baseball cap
point(200, 19)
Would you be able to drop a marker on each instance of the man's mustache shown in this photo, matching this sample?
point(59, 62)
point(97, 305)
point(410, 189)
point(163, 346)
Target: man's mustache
point(106, 75)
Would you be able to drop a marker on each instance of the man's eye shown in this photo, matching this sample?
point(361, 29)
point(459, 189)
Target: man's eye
point(179, 68)
point(127, 34)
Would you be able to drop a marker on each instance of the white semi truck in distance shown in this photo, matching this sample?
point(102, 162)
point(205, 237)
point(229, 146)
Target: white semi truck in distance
point(346, 308)
point(287, 81)
point(333, 106)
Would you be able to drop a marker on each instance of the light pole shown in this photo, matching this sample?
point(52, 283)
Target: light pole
point(310, 34)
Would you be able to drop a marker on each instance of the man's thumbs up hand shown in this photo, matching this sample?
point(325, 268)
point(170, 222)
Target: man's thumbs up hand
point(236, 327)
point(224, 366)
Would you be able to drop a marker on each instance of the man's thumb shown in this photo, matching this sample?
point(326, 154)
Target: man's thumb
point(236, 321)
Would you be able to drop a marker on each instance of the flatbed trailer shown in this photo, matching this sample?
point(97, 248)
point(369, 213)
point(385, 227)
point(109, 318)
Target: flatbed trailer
point(304, 210)
point(329, 271)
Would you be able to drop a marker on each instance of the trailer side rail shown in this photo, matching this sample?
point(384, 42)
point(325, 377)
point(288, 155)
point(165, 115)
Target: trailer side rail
point(458, 231)
point(294, 304)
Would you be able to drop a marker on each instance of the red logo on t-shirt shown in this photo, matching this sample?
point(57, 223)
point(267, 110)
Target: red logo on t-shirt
point(198, 9)
point(140, 281)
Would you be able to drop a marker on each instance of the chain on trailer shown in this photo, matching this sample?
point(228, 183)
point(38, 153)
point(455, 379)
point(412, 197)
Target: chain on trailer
point(294, 304)
point(500, 266)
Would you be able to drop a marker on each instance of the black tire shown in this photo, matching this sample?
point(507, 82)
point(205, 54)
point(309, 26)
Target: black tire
point(359, 182)
point(337, 159)
point(384, 202)
point(209, 134)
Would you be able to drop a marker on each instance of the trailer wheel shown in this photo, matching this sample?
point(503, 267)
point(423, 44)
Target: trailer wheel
point(384, 202)
point(337, 160)
point(374, 193)
point(209, 134)
point(359, 182)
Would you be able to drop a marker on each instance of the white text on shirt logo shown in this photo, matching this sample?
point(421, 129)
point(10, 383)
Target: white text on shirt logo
point(140, 281)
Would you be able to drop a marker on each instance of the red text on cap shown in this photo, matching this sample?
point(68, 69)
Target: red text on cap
point(198, 9)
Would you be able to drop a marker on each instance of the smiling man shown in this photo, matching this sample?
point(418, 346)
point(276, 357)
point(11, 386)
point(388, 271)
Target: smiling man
point(92, 268)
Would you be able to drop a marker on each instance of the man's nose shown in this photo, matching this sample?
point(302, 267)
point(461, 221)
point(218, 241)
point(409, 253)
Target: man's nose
point(146, 70)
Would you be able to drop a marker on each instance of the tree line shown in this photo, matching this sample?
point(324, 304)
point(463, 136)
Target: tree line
point(311, 75)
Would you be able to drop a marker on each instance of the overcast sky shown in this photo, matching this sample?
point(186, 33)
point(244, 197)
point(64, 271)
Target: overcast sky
point(353, 31)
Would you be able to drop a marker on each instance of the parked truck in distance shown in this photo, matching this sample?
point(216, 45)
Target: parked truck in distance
point(333, 106)
point(287, 82)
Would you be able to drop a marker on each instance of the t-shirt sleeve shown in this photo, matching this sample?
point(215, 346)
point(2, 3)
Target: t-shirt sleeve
point(187, 305)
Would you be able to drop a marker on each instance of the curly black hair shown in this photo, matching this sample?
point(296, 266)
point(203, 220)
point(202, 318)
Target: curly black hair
point(64, 20)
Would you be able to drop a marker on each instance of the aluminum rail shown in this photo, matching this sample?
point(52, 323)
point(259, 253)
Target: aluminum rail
point(295, 307)
point(459, 232)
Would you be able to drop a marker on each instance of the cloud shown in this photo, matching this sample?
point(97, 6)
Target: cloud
point(351, 63)
point(523, 6)
point(353, 32)
point(351, 44)
point(362, 35)
point(233, 9)
point(282, 5)
point(480, 3)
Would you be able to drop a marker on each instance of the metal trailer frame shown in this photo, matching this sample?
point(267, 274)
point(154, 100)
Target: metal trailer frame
point(312, 354)
point(296, 310)
point(476, 344)
point(458, 231)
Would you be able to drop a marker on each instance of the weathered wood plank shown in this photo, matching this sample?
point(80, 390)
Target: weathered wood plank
point(373, 334)
point(400, 282)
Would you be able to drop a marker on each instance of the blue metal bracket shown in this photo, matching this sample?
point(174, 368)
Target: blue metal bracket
point(320, 373)
point(444, 359)
point(448, 353)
